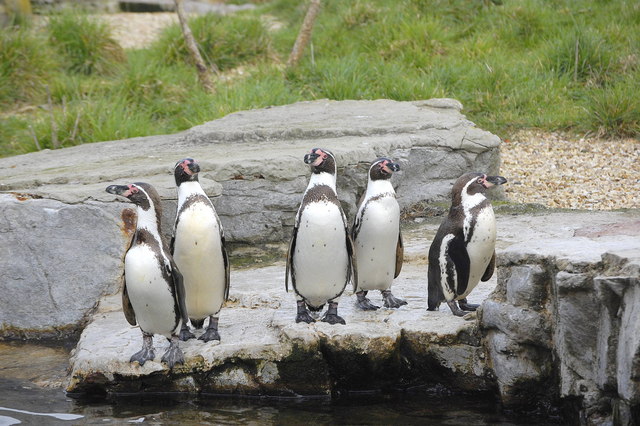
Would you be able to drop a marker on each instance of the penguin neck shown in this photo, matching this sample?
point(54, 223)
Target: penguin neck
point(379, 187)
point(149, 220)
point(322, 178)
point(468, 202)
point(187, 189)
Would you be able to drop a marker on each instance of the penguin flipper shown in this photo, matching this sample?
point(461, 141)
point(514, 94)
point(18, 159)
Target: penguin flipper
point(289, 269)
point(353, 269)
point(488, 273)
point(399, 255)
point(178, 285)
point(227, 267)
point(458, 260)
point(127, 308)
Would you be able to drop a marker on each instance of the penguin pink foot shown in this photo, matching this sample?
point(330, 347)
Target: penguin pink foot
point(364, 303)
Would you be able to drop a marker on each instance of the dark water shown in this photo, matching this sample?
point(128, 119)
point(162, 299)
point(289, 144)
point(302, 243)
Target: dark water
point(31, 375)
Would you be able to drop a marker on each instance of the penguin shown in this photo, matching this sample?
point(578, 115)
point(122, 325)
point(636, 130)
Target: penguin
point(198, 248)
point(377, 239)
point(153, 293)
point(320, 256)
point(463, 251)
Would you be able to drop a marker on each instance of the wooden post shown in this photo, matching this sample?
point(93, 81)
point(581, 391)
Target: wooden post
point(203, 72)
point(305, 34)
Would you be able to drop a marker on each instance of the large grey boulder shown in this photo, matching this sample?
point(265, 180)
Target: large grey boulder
point(563, 321)
point(251, 167)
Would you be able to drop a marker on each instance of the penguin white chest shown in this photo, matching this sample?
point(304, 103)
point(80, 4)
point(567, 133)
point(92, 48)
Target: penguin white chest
point(481, 246)
point(198, 254)
point(320, 259)
point(149, 292)
point(376, 243)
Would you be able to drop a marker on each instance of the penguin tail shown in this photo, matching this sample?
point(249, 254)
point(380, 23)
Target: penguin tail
point(197, 323)
point(315, 308)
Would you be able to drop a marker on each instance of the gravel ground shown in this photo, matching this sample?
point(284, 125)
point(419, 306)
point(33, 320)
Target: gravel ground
point(574, 173)
point(549, 169)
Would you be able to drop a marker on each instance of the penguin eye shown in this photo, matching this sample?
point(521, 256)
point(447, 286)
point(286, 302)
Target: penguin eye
point(479, 181)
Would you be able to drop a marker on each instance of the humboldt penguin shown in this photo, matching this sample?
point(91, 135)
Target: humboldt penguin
point(320, 257)
point(153, 293)
point(198, 248)
point(463, 251)
point(376, 237)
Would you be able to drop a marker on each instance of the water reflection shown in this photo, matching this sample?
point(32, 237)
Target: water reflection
point(31, 374)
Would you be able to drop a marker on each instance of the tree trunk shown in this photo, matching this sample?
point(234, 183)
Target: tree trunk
point(305, 34)
point(203, 72)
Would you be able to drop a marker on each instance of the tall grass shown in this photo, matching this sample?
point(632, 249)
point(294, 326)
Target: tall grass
point(84, 43)
point(548, 64)
point(26, 64)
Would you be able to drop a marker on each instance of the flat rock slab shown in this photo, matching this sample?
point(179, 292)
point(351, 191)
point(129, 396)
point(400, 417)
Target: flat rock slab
point(263, 351)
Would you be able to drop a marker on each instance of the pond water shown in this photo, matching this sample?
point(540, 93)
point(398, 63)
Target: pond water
point(31, 376)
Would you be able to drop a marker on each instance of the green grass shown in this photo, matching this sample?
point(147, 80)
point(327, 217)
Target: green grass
point(547, 64)
point(84, 44)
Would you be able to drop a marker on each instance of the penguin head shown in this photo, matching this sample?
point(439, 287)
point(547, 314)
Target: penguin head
point(321, 161)
point(382, 168)
point(186, 170)
point(141, 194)
point(471, 184)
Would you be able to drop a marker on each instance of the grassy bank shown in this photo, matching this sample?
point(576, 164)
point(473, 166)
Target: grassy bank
point(552, 65)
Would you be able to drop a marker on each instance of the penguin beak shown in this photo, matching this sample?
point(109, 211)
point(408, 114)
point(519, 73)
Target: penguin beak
point(193, 167)
point(389, 167)
point(118, 190)
point(310, 158)
point(493, 181)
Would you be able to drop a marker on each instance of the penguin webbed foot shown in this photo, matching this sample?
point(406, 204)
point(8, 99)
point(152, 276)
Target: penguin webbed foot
point(185, 333)
point(364, 303)
point(390, 301)
point(144, 355)
point(211, 333)
point(174, 354)
point(304, 317)
point(467, 306)
point(455, 310)
point(333, 319)
point(147, 352)
point(303, 314)
point(331, 316)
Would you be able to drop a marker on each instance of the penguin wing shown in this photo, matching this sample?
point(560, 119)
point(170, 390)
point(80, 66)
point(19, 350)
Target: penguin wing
point(399, 255)
point(127, 308)
point(488, 273)
point(352, 272)
point(289, 270)
point(357, 223)
point(457, 259)
point(227, 267)
point(178, 287)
